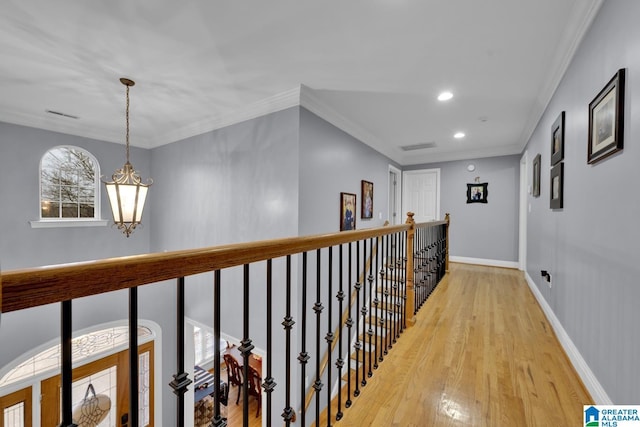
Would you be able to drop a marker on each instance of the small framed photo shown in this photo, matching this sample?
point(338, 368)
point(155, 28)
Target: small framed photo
point(536, 176)
point(606, 120)
point(556, 191)
point(366, 196)
point(557, 140)
point(347, 211)
point(477, 193)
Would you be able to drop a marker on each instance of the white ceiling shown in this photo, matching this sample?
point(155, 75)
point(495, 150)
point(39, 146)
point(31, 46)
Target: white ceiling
point(372, 68)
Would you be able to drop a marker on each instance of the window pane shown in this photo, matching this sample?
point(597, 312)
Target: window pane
point(70, 210)
point(86, 211)
point(14, 415)
point(67, 176)
point(144, 389)
point(50, 209)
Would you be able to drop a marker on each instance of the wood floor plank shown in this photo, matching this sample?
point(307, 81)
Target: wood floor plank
point(481, 353)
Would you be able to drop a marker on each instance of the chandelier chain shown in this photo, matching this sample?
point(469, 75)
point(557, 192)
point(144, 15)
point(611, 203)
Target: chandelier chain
point(127, 123)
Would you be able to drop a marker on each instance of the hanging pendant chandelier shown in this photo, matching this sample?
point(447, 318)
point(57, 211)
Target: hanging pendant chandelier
point(126, 191)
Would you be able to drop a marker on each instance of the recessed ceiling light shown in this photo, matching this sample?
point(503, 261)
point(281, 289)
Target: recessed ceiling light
point(445, 96)
point(459, 135)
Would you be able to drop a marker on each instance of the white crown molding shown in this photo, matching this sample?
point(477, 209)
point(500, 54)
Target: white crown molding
point(273, 104)
point(67, 126)
point(589, 379)
point(312, 103)
point(575, 28)
point(451, 156)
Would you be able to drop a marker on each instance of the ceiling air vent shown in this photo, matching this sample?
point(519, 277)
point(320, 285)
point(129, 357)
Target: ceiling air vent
point(57, 113)
point(418, 146)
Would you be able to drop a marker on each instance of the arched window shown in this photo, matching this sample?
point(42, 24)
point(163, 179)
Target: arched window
point(69, 184)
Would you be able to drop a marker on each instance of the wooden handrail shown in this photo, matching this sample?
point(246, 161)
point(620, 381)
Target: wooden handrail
point(34, 287)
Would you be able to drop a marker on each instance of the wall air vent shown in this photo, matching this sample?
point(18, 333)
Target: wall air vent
point(418, 146)
point(57, 113)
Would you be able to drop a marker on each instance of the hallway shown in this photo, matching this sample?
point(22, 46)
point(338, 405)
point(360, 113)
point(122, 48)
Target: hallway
point(481, 353)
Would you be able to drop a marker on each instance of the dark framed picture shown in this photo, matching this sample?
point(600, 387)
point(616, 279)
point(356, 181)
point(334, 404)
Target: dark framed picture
point(477, 193)
point(557, 140)
point(606, 120)
point(556, 191)
point(366, 196)
point(536, 176)
point(347, 211)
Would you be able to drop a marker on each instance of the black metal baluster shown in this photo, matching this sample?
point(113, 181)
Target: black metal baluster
point(371, 353)
point(340, 361)
point(329, 337)
point(66, 373)
point(133, 357)
point(245, 347)
point(288, 322)
point(396, 290)
point(358, 345)
point(386, 272)
point(181, 379)
point(378, 347)
point(317, 308)
point(269, 384)
point(363, 312)
point(349, 326)
point(303, 357)
point(218, 420)
point(403, 286)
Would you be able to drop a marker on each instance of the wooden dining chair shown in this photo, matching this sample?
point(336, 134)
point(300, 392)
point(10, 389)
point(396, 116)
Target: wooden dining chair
point(255, 387)
point(234, 373)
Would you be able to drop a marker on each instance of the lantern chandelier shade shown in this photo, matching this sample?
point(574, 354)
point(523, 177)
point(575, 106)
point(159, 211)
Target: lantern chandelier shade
point(126, 191)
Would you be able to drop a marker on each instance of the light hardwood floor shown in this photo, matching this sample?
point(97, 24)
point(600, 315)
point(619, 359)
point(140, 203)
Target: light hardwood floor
point(482, 353)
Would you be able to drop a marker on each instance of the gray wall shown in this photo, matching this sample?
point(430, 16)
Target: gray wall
point(235, 184)
point(591, 246)
point(21, 149)
point(485, 231)
point(21, 246)
point(331, 162)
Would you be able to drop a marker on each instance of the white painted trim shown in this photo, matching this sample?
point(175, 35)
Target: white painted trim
point(273, 104)
point(589, 379)
point(70, 223)
point(482, 261)
point(398, 207)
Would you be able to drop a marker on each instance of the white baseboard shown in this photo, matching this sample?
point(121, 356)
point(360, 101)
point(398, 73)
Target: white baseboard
point(481, 261)
point(590, 381)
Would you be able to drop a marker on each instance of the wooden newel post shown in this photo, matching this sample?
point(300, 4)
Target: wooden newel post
point(410, 305)
point(447, 218)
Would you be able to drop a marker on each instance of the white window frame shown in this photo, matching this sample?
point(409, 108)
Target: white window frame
point(96, 221)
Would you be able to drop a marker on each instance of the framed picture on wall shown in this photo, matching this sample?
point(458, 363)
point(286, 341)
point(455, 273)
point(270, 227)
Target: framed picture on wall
point(536, 176)
point(366, 197)
point(606, 120)
point(347, 211)
point(477, 193)
point(556, 192)
point(557, 140)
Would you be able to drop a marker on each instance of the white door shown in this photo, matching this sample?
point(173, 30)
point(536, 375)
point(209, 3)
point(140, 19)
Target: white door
point(421, 194)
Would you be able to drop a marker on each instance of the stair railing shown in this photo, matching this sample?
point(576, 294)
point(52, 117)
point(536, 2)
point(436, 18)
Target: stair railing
point(29, 288)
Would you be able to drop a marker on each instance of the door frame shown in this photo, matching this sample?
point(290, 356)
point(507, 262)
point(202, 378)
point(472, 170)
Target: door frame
point(398, 205)
point(23, 395)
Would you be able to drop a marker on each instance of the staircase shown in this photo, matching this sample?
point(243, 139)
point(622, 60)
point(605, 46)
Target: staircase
point(382, 326)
